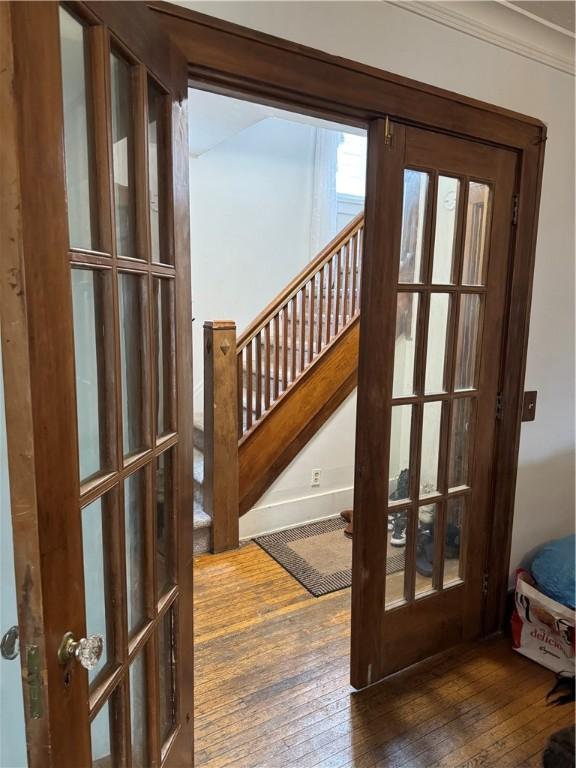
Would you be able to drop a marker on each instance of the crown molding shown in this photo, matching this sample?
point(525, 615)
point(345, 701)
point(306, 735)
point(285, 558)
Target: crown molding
point(502, 25)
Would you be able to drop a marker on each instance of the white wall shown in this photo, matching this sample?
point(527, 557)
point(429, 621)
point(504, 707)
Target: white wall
point(251, 207)
point(397, 40)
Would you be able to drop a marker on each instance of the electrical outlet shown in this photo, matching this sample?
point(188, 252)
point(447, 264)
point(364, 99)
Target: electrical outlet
point(315, 481)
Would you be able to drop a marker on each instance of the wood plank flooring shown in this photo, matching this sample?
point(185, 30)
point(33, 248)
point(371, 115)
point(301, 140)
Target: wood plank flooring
point(272, 686)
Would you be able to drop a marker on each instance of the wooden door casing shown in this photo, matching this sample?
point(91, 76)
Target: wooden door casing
point(38, 345)
point(423, 626)
point(235, 60)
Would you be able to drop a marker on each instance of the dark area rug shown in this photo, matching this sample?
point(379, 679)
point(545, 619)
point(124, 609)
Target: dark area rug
point(319, 556)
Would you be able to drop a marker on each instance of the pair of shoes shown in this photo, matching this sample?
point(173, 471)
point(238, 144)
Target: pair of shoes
point(398, 538)
point(402, 486)
point(346, 515)
point(425, 551)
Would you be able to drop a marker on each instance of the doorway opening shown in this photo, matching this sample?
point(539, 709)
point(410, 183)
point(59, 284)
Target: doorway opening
point(277, 208)
point(277, 215)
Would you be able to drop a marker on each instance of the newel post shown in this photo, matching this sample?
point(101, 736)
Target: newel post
point(221, 433)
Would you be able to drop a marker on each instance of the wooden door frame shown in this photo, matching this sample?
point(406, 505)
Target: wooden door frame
point(234, 60)
point(37, 335)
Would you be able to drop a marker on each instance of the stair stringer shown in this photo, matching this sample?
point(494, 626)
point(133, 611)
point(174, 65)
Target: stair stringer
point(266, 451)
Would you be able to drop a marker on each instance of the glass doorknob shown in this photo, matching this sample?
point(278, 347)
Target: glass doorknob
point(87, 651)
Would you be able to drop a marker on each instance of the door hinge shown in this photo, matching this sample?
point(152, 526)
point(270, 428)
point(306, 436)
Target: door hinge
point(387, 131)
point(499, 405)
point(485, 584)
point(515, 205)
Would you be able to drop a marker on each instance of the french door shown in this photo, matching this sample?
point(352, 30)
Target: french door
point(434, 292)
point(97, 352)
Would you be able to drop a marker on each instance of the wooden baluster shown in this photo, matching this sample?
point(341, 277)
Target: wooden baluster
point(221, 433)
point(354, 275)
point(302, 329)
point(338, 290)
point(318, 322)
point(276, 355)
point(258, 342)
point(311, 319)
point(329, 303)
point(240, 391)
point(249, 382)
point(267, 366)
point(346, 296)
point(294, 320)
point(285, 348)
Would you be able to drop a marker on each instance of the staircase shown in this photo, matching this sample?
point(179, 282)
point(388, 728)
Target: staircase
point(294, 365)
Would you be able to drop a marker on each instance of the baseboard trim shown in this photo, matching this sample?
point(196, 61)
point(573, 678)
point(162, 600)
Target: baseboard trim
point(292, 513)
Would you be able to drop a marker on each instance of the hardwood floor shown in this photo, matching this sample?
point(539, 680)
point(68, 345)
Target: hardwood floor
point(272, 685)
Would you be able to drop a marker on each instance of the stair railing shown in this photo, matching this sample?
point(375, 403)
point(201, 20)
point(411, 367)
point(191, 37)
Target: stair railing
point(295, 328)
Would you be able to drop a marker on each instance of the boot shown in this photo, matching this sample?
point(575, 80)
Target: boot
point(346, 515)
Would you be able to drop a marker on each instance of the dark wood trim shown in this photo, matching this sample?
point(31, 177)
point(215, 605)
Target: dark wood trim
point(141, 39)
point(373, 420)
point(297, 416)
point(229, 58)
point(512, 374)
point(182, 748)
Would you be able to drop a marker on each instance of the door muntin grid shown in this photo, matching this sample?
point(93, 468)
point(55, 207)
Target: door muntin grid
point(436, 378)
point(122, 280)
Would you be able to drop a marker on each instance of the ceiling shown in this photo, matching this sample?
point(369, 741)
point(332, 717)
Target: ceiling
point(215, 118)
point(560, 13)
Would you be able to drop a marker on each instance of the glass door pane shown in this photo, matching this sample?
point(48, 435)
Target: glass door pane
point(131, 297)
point(78, 138)
point(123, 156)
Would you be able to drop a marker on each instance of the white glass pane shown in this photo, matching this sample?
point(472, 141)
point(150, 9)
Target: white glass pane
point(397, 543)
point(413, 218)
point(164, 522)
point(431, 419)
point(460, 442)
point(100, 738)
point(405, 345)
point(88, 343)
point(95, 578)
point(77, 140)
point(399, 473)
point(445, 231)
point(436, 345)
point(167, 669)
point(134, 534)
point(425, 549)
point(123, 155)
point(467, 342)
point(138, 712)
point(131, 361)
point(453, 540)
point(476, 238)
point(157, 166)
